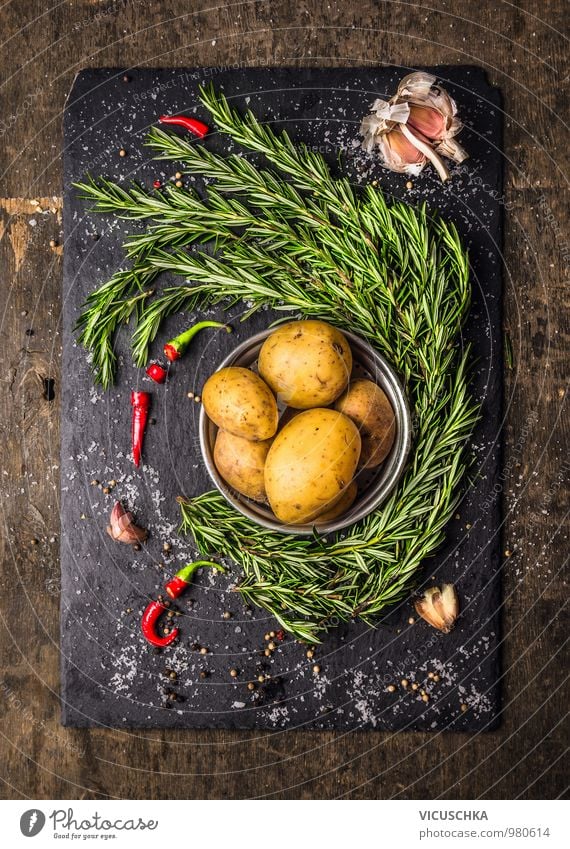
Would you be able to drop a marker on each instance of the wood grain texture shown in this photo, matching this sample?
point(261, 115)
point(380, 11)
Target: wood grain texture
point(524, 51)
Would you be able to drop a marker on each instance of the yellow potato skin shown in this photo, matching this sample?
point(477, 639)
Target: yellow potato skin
point(310, 463)
point(306, 363)
point(241, 463)
point(343, 504)
point(367, 405)
point(238, 401)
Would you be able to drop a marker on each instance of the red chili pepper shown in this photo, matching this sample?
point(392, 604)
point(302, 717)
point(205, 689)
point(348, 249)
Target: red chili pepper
point(280, 636)
point(191, 124)
point(157, 184)
point(176, 586)
point(157, 372)
point(152, 614)
point(140, 402)
point(174, 349)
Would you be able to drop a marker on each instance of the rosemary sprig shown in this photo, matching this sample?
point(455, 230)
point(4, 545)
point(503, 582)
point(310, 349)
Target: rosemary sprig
point(105, 310)
point(302, 240)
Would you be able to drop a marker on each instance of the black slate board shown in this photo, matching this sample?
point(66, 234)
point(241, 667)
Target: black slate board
point(110, 677)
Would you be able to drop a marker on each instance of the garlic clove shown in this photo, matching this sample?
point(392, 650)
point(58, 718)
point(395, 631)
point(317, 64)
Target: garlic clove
point(427, 150)
point(429, 122)
point(122, 527)
point(402, 149)
point(439, 607)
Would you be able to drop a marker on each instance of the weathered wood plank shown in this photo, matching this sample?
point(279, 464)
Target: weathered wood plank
point(527, 58)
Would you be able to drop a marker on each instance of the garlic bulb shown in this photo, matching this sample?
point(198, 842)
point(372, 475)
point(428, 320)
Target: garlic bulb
point(416, 126)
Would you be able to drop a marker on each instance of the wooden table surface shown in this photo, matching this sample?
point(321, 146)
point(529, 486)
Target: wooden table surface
point(523, 48)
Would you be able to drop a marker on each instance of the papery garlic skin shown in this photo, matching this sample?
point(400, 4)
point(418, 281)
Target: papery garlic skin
point(425, 116)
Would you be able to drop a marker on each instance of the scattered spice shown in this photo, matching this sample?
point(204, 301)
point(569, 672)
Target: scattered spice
point(404, 682)
point(52, 243)
point(411, 620)
point(174, 349)
point(167, 546)
point(415, 686)
point(226, 614)
point(425, 697)
point(251, 686)
point(122, 152)
point(439, 607)
point(122, 527)
point(197, 128)
point(178, 184)
point(140, 402)
point(316, 669)
point(234, 673)
point(391, 688)
point(203, 650)
point(464, 707)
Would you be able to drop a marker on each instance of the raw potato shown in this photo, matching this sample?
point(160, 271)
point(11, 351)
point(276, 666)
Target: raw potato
point(310, 464)
point(306, 363)
point(237, 400)
point(241, 463)
point(343, 504)
point(368, 407)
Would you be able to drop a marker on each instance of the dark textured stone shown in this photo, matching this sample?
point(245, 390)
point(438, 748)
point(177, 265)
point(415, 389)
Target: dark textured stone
point(109, 675)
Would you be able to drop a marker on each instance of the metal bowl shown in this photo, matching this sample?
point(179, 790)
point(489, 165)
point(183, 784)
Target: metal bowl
point(374, 485)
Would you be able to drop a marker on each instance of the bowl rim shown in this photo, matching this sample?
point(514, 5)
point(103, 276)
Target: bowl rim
point(372, 497)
